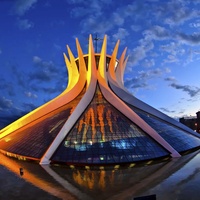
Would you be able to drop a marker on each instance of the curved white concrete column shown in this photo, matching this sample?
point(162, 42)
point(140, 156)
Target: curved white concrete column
point(115, 79)
point(76, 82)
point(91, 79)
point(123, 108)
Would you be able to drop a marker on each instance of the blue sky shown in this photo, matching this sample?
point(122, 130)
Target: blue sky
point(163, 40)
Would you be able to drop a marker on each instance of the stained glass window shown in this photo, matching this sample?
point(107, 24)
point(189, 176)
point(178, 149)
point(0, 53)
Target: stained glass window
point(179, 139)
point(35, 138)
point(104, 135)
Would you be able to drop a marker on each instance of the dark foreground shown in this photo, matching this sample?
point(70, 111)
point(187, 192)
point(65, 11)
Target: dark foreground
point(176, 179)
point(14, 187)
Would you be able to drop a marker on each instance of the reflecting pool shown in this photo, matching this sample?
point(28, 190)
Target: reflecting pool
point(173, 179)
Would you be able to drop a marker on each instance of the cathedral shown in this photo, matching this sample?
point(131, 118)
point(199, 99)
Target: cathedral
point(95, 120)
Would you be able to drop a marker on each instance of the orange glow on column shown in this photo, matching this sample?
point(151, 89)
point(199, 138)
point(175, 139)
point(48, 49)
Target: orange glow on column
point(100, 111)
point(108, 117)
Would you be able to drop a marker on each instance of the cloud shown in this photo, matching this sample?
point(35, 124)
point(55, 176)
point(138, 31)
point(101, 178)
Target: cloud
point(37, 60)
point(52, 77)
point(90, 8)
point(136, 28)
point(52, 90)
point(79, 12)
point(22, 6)
point(96, 19)
point(20, 76)
point(135, 83)
point(45, 78)
point(173, 48)
point(121, 34)
point(178, 13)
point(40, 75)
point(95, 24)
point(167, 70)
point(141, 81)
point(192, 39)
point(157, 33)
point(31, 95)
point(147, 43)
point(28, 107)
point(48, 65)
point(153, 72)
point(118, 18)
point(57, 47)
point(100, 2)
point(195, 24)
point(191, 91)
point(6, 120)
point(6, 87)
point(5, 103)
point(75, 1)
point(167, 110)
point(148, 63)
point(171, 59)
point(171, 79)
point(24, 24)
point(140, 52)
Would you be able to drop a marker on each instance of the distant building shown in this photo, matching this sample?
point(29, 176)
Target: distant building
point(192, 122)
point(198, 122)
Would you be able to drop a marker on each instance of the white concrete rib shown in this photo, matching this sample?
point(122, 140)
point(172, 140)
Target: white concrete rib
point(122, 107)
point(74, 87)
point(80, 108)
point(115, 79)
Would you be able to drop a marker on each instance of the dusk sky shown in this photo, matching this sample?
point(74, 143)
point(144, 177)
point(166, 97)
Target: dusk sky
point(162, 37)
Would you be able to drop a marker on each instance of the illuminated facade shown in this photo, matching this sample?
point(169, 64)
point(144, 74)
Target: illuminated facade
point(96, 120)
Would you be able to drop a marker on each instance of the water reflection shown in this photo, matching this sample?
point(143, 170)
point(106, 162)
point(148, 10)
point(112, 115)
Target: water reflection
point(37, 176)
point(175, 179)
